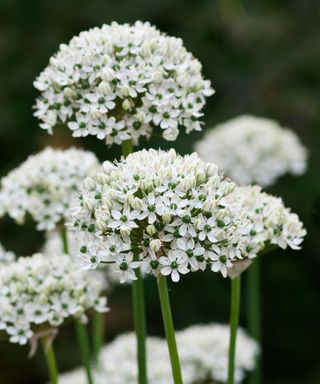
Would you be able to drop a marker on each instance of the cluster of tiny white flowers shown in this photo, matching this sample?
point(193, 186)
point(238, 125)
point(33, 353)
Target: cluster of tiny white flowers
point(119, 82)
point(6, 256)
point(268, 221)
point(157, 211)
point(253, 150)
point(38, 293)
point(171, 215)
point(203, 351)
point(44, 184)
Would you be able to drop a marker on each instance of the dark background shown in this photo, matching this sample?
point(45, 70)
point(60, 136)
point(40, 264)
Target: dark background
point(263, 57)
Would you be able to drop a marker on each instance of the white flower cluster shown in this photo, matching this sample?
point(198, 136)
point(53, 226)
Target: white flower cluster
point(268, 222)
point(253, 150)
point(170, 215)
point(203, 351)
point(38, 293)
point(119, 82)
point(157, 211)
point(44, 184)
point(6, 256)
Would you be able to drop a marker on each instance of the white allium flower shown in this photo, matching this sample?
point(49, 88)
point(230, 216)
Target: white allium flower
point(39, 293)
point(119, 82)
point(44, 185)
point(203, 351)
point(6, 256)
point(268, 221)
point(198, 217)
point(253, 150)
point(180, 196)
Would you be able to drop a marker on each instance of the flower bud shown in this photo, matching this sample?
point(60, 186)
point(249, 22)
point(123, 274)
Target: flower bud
point(89, 184)
point(155, 245)
point(166, 218)
point(151, 230)
point(126, 105)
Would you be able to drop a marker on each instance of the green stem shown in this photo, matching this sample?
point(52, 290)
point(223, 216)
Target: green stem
point(140, 326)
point(81, 330)
point(254, 313)
point(50, 360)
point(127, 147)
point(169, 329)
point(98, 334)
point(84, 348)
point(138, 306)
point(234, 320)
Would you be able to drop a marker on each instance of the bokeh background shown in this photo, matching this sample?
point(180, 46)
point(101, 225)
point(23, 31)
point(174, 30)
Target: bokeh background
point(263, 57)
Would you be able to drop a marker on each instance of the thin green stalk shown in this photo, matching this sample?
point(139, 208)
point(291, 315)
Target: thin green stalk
point(254, 313)
point(81, 330)
point(98, 334)
point(84, 348)
point(140, 327)
point(169, 329)
point(138, 306)
point(234, 320)
point(50, 360)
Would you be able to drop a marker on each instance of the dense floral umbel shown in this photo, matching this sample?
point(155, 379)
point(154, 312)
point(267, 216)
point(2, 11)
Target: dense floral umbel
point(119, 82)
point(44, 184)
point(269, 222)
point(253, 150)
point(6, 256)
point(157, 211)
point(203, 351)
point(171, 215)
point(38, 293)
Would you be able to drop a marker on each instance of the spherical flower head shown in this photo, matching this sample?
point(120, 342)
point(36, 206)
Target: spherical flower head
point(157, 211)
point(203, 351)
point(6, 256)
point(253, 150)
point(38, 293)
point(119, 82)
point(44, 185)
point(265, 224)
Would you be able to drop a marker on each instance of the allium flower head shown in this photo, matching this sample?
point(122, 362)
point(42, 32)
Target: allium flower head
point(203, 351)
point(157, 211)
point(253, 150)
point(38, 293)
point(119, 82)
point(172, 215)
point(44, 184)
point(268, 221)
point(6, 256)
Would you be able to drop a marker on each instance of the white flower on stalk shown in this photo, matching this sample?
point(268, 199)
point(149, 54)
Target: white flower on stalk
point(118, 82)
point(38, 293)
point(157, 203)
point(44, 185)
point(253, 150)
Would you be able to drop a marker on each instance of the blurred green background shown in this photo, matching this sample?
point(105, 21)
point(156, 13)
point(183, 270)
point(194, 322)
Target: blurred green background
point(263, 57)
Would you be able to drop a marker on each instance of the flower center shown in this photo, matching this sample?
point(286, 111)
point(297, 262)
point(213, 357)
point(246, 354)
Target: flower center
point(154, 264)
point(123, 266)
point(186, 219)
point(174, 265)
point(223, 259)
